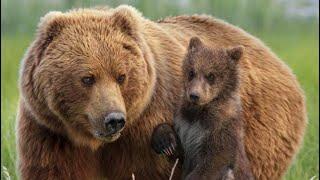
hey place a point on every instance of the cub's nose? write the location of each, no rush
(194, 97)
(114, 122)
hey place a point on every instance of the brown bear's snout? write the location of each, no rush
(114, 122)
(112, 125)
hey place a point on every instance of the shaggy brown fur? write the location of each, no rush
(59, 114)
(209, 124)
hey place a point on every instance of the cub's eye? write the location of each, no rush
(88, 81)
(191, 75)
(210, 78)
(121, 79)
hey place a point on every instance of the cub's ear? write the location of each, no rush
(194, 44)
(127, 19)
(235, 53)
(49, 27)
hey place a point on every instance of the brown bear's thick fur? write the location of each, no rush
(58, 115)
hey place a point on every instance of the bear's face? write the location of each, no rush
(93, 73)
(209, 72)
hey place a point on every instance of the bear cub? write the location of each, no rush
(208, 128)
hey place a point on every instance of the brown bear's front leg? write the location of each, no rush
(46, 155)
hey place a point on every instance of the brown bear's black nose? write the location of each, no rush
(194, 97)
(114, 122)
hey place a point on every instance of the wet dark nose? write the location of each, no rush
(194, 97)
(114, 122)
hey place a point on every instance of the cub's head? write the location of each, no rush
(210, 72)
(88, 72)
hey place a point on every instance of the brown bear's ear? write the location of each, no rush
(49, 27)
(235, 53)
(194, 44)
(127, 19)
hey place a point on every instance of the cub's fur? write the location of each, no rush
(209, 123)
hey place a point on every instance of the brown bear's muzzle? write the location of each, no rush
(107, 112)
(113, 124)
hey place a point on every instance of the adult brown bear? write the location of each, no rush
(95, 83)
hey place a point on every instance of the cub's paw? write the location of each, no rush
(163, 139)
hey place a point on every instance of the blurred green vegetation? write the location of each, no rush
(293, 38)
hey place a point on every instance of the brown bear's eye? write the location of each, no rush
(127, 47)
(121, 78)
(88, 81)
(191, 75)
(210, 78)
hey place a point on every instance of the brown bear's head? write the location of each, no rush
(89, 73)
(210, 73)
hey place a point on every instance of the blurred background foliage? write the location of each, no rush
(21, 16)
(288, 27)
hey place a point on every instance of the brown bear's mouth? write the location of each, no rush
(113, 137)
(109, 138)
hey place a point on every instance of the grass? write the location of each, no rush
(12, 50)
(298, 49)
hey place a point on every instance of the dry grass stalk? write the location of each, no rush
(173, 168)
